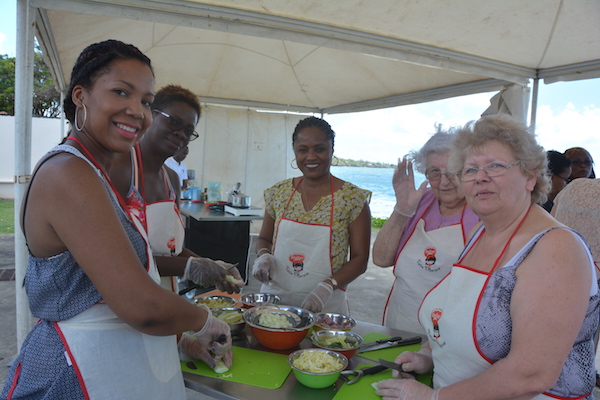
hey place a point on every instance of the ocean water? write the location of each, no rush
(378, 181)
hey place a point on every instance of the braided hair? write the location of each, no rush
(317, 123)
(95, 60)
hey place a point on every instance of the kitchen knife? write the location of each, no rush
(397, 367)
(388, 343)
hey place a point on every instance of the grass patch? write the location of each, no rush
(7, 216)
(377, 223)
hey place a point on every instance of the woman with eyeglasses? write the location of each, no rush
(147, 186)
(425, 232)
(516, 316)
(559, 168)
(152, 191)
(582, 163)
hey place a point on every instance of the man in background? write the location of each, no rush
(177, 165)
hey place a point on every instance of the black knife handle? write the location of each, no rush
(373, 370)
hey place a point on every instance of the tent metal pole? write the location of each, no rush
(23, 121)
(534, 101)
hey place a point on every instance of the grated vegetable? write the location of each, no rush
(317, 361)
(272, 320)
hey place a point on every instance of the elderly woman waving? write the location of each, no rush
(425, 233)
(516, 316)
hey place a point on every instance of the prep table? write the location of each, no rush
(291, 388)
(220, 236)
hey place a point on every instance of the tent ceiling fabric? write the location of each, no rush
(336, 55)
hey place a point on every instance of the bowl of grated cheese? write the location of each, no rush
(317, 368)
(279, 327)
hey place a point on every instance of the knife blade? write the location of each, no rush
(388, 343)
(397, 367)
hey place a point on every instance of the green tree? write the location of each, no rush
(46, 99)
(7, 84)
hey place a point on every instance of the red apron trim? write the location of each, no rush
(73, 362)
(15, 380)
(124, 206)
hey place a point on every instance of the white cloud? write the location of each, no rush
(385, 135)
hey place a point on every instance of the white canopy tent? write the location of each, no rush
(333, 56)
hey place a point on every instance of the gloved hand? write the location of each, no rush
(316, 299)
(215, 337)
(191, 349)
(420, 362)
(263, 267)
(404, 389)
(233, 281)
(204, 271)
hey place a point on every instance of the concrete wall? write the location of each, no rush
(46, 133)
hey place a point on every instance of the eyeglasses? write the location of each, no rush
(175, 124)
(580, 163)
(491, 170)
(436, 174)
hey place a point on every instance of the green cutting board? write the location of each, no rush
(362, 390)
(251, 367)
(385, 354)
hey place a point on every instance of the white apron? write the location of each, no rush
(111, 359)
(447, 314)
(425, 259)
(303, 257)
(166, 233)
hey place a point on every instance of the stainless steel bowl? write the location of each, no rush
(216, 301)
(335, 321)
(300, 318)
(235, 327)
(259, 299)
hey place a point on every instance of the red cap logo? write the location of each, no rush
(429, 252)
(297, 258)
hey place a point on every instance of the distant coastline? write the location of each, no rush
(345, 162)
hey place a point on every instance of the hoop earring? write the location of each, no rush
(84, 117)
(291, 166)
(337, 162)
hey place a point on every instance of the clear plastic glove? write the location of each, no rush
(263, 267)
(215, 337)
(191, 349)
(420, 362)
(233, 281)
(204, 271)
(407, 196)
(315, 300)
(404, 389)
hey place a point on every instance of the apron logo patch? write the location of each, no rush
(436, 315)
(297, 267)
(172, 245)
(429, 262)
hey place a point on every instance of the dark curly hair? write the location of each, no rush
(175, 93)
(317, 123)
(95, 60)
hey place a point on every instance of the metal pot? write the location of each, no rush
(240, 201)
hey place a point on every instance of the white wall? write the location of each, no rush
(46, 133)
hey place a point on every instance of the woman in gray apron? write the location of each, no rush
(425, 233)
(516, 316)
(310, 224)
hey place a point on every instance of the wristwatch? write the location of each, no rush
(334, 283)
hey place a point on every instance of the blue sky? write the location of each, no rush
(568, 115)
